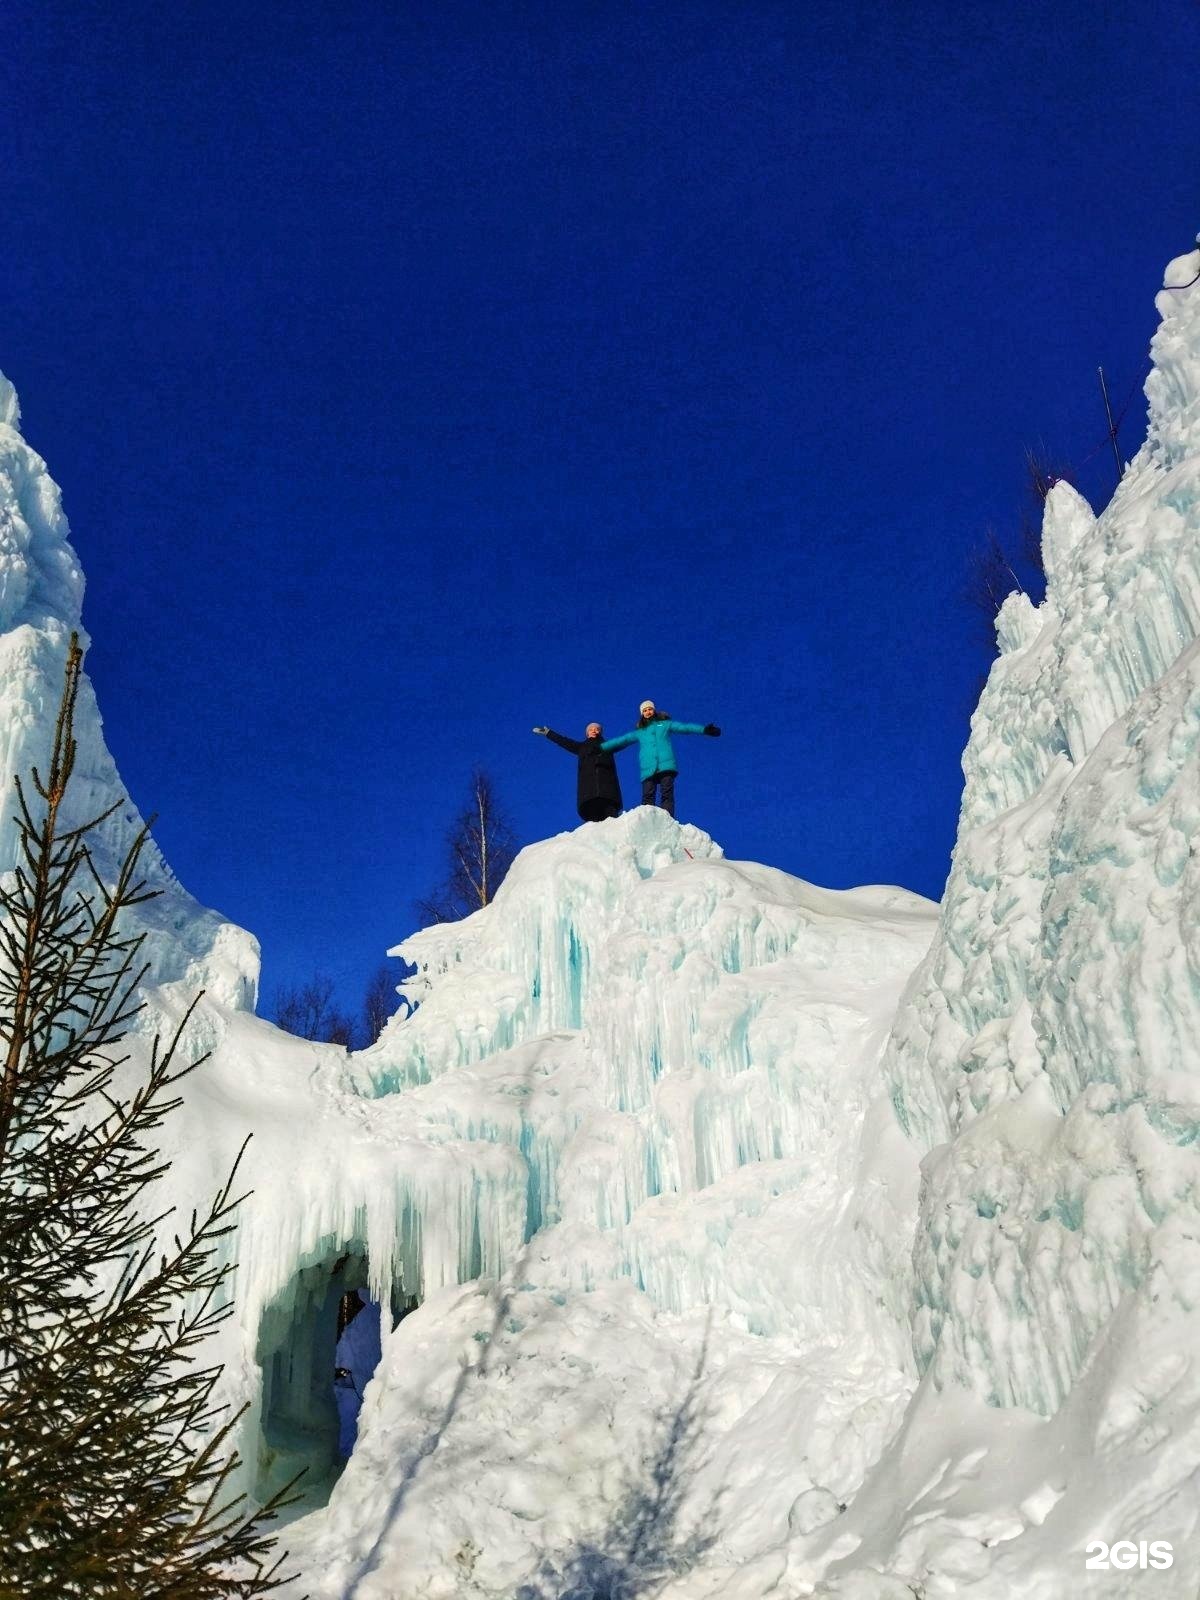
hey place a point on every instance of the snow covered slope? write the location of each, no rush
(617, 1157)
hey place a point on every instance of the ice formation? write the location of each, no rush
(1045, 1057)
(735, 1237)
(41, 596)
(611, 1106)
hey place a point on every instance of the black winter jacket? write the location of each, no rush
(597, 770)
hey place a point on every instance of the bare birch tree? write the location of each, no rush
(480, 848)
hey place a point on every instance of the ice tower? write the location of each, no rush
(41, 596)
(1046, 1059)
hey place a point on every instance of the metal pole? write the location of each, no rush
(1112, 432)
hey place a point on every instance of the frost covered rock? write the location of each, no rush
(812, 1510)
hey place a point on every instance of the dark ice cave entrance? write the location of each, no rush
(318, 1347)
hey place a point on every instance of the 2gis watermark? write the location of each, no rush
(1124, 1555)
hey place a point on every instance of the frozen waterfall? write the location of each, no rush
(724, 1232)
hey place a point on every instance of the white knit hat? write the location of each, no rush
(646, 706)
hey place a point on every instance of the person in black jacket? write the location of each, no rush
(598, 793)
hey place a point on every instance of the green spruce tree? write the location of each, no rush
(115, 1463)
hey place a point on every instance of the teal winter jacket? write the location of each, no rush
(655, 753)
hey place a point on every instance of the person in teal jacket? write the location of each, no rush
(656, 755)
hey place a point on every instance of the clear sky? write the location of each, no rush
(416, 373)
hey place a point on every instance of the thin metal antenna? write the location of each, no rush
(1112, 432)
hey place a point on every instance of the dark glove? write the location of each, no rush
(541, 730)
(712, 730)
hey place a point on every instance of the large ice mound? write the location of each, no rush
(635, 1116)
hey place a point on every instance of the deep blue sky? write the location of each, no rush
(418, 373)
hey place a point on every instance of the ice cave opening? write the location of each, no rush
(318, 1346)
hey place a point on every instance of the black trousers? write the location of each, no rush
(597, 810)
(665, 782)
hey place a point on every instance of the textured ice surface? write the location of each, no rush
(750, 1260)
(1046, 1058)
(684, 1051)
(667, 1228)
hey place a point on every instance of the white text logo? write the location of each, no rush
(1124, 1555)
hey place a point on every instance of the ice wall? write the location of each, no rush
(41, 596)
(642, 1017)
(647, 1150)
(677, 1057)
(1045, 1058)
(643, 1070)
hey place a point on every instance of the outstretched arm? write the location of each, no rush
(561, 740)
(619, 742)
(685, 727)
